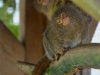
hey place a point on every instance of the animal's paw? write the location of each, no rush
(62, 52)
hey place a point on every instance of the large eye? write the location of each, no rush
(43, 2)
(59, 21)
(39, 1)
(63, 15)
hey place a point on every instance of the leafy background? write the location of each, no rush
(7, 16)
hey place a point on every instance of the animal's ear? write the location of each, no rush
(45, 2)
(88, 18)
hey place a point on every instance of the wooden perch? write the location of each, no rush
(11, 51)
(82, 56)
(92, 7)
(26, 67)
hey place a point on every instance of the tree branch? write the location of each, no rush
(82, 56)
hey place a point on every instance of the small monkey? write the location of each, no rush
(68, 28)
(48, 7)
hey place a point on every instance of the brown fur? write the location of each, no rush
(57, 36)
(52, 6)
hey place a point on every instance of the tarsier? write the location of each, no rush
(68, 28)
(48, 7)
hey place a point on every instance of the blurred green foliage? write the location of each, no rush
(13, 29)
(6, 15)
